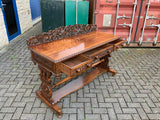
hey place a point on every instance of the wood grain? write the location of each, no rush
(71, 50)
(60, 33)
(63, 49)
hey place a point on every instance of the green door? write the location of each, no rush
(70, 12)
(81, 12)
(52, 13)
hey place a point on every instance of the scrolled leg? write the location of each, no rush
(46, 90)
(45, 93)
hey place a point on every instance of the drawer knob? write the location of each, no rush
(109, 51)
(89, 64)
(78, 70)
(97, 57)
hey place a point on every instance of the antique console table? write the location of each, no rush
(72, 50)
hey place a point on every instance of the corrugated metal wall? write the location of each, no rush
(137, 21)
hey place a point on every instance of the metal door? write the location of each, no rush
(76, 12)
(136, 21)
(149, 24)
(52, 13)
(10, 16)
(70, 12)
(82, 12)
(117, 17)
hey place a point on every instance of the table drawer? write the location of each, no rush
(75, 65)
(117, 44)
(99, 52)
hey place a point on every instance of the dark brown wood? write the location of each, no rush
(99, 51)
(63, 49)
(46, 90)
(70, 77)
(61, 33)
(81, 49)
(117, 44)
(91, 11)
(73, 66)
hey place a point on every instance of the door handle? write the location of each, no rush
(96, 12)
(154, 25)
(109, 1)
(3, 5)
(123, 17)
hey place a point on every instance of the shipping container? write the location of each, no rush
(136, 21)
(149, 23)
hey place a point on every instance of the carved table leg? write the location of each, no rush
(105, 64)
(46, 90)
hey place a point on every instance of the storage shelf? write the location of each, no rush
(76, 84)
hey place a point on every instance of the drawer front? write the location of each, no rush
(43, 62)
(75, 65)
(81, 68)
(99, 52)
(102, 53)
(117, 44)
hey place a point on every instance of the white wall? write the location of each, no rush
(3, 33)
(25, 20)
(24, 13)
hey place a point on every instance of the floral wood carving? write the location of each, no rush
(60, 33)
(46, 84)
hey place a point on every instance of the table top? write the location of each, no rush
(63, 49)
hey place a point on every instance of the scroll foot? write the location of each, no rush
(59, 116)
(54, 106)
(112, 71)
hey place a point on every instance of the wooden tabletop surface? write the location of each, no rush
(63, 49)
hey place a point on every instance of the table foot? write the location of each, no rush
(112, 71)
(54, 106)
(59, 116)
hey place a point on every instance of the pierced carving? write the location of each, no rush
(60, 33)
(46, 89)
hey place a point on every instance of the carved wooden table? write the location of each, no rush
(71, 50)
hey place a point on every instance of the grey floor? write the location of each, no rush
(133, 94)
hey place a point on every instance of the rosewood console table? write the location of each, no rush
(71, 50)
